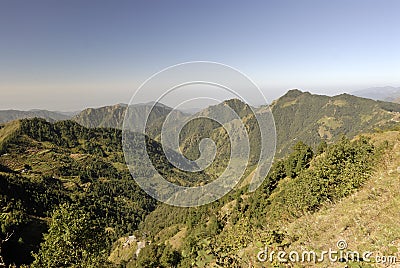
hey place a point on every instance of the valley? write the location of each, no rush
(68, 198)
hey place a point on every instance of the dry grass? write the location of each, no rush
(8, 129)
(367, 220)
(177, 240)
(120, 253)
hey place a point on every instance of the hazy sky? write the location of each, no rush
(66, 55)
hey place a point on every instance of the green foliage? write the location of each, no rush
(161, 255)
(76, 238)
(19, 199)
(80, 173)
(36, 197)
(321, 148)
(150, 256)
(12, 216)
(68, 134)
(8, 133)
(60, 170)
(338, 173)
(258, 218)
(298, 160)
(302, 116)
(214, 225)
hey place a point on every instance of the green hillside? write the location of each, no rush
(310, 118)
(298, 116)
(108, 116)
(58, 167)
(67, 198)
(113, 116)
(289, 211)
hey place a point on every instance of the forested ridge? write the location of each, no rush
(68, 169)
(226, 233)
(68, 199)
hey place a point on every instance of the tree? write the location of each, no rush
(322, 146)
(75, 239)
(12, 216)
(150, 256)
(214, 226)
(2, 241)
(170, 257)
(299, 159)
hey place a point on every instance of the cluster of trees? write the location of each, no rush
(340, 171)
(101, 194)
(72, 200)
(76, 238)
(70, 134)
(301, 183)
(74, 226)
(118, 205)
(12, 218)
(158, 255)
(300, 115)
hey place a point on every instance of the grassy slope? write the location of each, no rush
(368, 220)
(6, 132)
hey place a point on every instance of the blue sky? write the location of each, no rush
(66, 55)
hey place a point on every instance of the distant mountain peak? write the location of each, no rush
(233, 100)
(386, 93)
(121, 105)
(11, 115)
(155, 103)
(294, 93)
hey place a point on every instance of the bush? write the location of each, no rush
(340, 171)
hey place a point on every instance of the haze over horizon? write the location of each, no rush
(69, 55)
(189, 109)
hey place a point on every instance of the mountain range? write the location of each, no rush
(298, 116)
(66, 191)
(113, 116)
(391, 94)
(51, 116)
